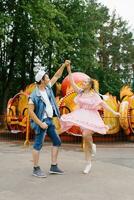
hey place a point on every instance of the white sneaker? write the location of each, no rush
(93, 149)
(87, 168)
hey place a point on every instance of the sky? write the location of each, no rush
(124, 8)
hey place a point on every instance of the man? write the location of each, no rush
(42, 108)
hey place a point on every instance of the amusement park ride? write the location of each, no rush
(18, 118)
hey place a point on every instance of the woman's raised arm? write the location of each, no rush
(73, 84)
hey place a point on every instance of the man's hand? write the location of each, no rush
(43, 125)
(67, 62)
(58, 74)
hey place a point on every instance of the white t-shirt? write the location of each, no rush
(49, 109)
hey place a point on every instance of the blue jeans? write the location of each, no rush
(50, 131)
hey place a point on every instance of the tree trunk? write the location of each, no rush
(31, 72)
(6, 84)
(50, 50)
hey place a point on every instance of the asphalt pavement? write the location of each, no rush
(111, 177)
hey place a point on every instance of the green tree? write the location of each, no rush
(115, 54)
(46, 32)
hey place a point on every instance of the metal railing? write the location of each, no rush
(20, 132)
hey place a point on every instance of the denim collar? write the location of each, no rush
(37, 91)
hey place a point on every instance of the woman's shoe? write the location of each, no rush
(87, 168)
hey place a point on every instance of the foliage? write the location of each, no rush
(46, 32)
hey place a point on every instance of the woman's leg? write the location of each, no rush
(91, 145)
(87, 139)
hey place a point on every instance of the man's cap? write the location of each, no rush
(39, 75)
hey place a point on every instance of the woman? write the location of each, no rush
(86, 116)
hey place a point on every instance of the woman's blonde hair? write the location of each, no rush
(94, 84)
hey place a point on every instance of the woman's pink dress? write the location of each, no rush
(86, 116)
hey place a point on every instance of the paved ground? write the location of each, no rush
(111, 178)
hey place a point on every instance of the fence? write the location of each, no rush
(20, 132)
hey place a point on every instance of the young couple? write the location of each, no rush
(42, 108)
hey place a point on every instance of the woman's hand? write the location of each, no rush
(117, 114)
(68, 68)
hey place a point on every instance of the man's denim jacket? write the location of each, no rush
(40, 106)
